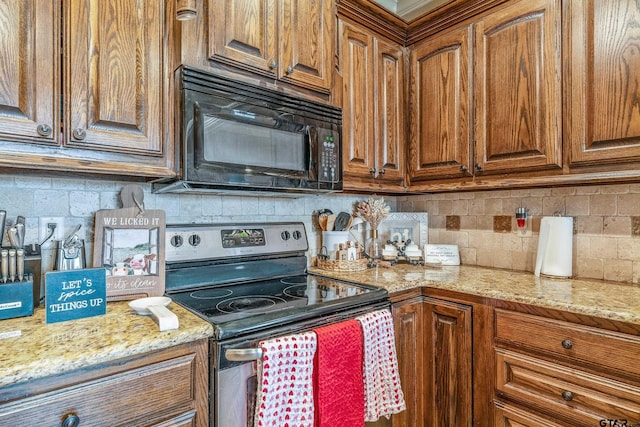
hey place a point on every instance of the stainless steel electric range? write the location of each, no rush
(250, 282)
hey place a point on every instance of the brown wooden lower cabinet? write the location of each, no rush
(164, 388)
(434, 345)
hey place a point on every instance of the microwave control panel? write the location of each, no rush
(328, 147)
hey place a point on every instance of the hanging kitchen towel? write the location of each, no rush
(382, 391)
(338, 386)
(285, 375)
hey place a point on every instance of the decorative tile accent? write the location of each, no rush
(502, 224)
(453, 223)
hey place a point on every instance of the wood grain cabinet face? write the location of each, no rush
(102, 100)
(517, 91)
(602, 115)
(434, 344)
(372, 110)
(29, 57)
(289, 40)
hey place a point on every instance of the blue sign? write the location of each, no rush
(75, 294)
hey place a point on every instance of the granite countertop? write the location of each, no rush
(609, 300)
(30, 348)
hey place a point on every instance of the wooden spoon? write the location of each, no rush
(322, 220)
(331, 220)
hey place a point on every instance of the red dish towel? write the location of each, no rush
(285, 375)
(338, 386)
(382, 392)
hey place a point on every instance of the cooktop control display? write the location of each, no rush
(242, 237)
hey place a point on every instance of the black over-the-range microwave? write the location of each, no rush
(241, 137)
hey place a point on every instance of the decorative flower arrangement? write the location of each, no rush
(374, 211)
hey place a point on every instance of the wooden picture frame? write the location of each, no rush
(129, 244)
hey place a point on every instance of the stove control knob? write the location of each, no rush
(194, 240)
(176, 241)
(297, 235)
(285, 235)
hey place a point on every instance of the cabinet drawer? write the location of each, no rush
(598, 347)
(142, 396)
(510, 416)
(580, 397)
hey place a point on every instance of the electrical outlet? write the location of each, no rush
(44, 230)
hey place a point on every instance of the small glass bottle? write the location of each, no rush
(374, 245)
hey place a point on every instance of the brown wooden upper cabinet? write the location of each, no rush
(102, 100)
(603, 64)
(504, 71)
(372, 108)
(289, 40)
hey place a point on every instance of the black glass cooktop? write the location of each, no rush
(242, 308)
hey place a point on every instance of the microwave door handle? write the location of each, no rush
(243, 354)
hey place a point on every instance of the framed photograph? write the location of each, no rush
(403, 226)
(129, 244)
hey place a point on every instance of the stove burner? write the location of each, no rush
(213, 293)
(247, 302)
(296, 291)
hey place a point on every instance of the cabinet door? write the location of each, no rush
(448, 363)
(389, 116)
(245, 33)
(357, 52)
(440, 131)
(511, 416)
(602, 115)
(306, 42)
(29, 72)
(113, 78)
(408, 318)
(517, 89)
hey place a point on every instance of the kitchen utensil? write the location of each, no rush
(3, 219)
(70, 237)
(156, 307)
(331, 220)
(69, 257)
(12, 265)
(555, 247)
(4, 265)
(20, 264)
(342, 221)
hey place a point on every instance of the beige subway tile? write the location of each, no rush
(512, 242)
(468, 222)
(636, 272)
(589, 268)
(460, 207)
(468, 256)
(484, 239)
(437, 221)
(520, 193)
(581, 245)
(618, 270)
(484, 258)
(540, 192)
(577, 205)
(634, 188)
(589, 224)
(460, 238)
(617, 225)
(629, 204)
(530, 244)
(482, 194)
(553, 205)
(603, 247)
(484, 222)
(593, 189)
(563, 191)
(628, 248)
(615, 189)
(445, 207)
(509, 206)
(477, 207)
(434, 235)
(503, 259)
(603, 204)
(493, 207)
(438, 196)
(521, 261)
(533, 205)
(499, 194)
(432, 207)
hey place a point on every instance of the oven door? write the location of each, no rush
(234, 382)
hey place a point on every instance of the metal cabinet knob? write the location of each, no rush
(273, 64)
(71, 420)
(44, 130)
(478, 166)
(289, 69)
(567, 396)
(79, 134)
(567, 344)
(372, 170)
(463, 168)
(382, 171)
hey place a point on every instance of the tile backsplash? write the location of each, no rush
(606, 241)
(76, 200)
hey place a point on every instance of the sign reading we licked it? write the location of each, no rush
(75, 294)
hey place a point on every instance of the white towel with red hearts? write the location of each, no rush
(382, 391)
(285, 375)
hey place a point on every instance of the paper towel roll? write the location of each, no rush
(555, 247)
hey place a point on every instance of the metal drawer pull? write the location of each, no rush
(243, 354)
(71, 420)
(567, 396)
(567, 344)
(44, 130)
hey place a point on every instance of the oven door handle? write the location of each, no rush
(243, 354)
